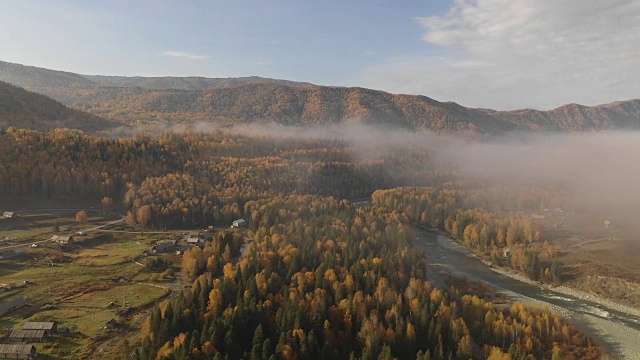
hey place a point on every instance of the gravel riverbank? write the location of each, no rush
(620, 339)
(565, 290)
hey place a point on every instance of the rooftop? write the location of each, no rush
(15, 349)
(39, 325)
(27, 334)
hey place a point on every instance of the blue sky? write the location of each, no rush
(489, 53)
(323, 42)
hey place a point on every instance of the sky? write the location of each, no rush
(501, 54)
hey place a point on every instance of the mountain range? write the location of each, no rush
(253, 99)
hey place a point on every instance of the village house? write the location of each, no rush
(62, 239)
(27, 336)
(238, 223)
(49, 327)
(111, 324)
(180, 250)
(164, 247)
(8, 214)
(17, 351)
(194, 241)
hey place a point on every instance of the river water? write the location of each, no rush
(444, 254)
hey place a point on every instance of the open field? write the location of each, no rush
(81, 286)
(105, 254)
(599, 260)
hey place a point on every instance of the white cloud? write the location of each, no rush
(524, 53)
(184, 54)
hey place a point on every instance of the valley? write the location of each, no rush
(120, 230)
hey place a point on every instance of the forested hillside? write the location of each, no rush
(24, 109)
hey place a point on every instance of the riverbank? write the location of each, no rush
(565, 290)
(454, 245)
(618, 340)
(601, 320)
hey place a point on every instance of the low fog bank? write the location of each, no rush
(600, 169)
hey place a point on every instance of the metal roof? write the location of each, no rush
(38, 325)
(166, 245)
(15, 349)
(27, 334)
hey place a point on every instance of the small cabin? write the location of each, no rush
(166, 246)
(49, 327)
(62, 239)
(27, 336)
(180, 250)
(111, 324)
(238, 223)
(17, 351)
(194, 241)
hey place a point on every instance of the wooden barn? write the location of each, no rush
(17, 351)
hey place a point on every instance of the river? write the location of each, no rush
(617, 331)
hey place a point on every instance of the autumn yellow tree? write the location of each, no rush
(82, 217)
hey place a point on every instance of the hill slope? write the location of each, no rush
(228, 101)
(24, 109)
(283, 104)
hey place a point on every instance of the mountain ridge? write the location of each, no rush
(185, 82)
(239, 100)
